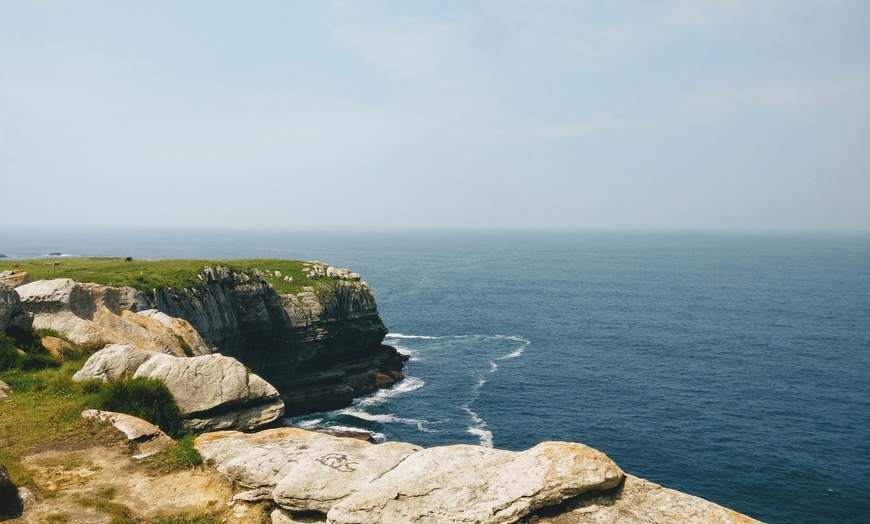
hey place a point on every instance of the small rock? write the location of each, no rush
(15, 277)
(56, 346)
(5, 390)
(28, 499)
(149, 438)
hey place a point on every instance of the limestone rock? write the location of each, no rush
(56, 346)
(12, 314)
(95, 315)
(149, 439)
(640, 501)
(307, 471)
(320, 349)
(14, 277)
(476, 484)
(113, 362)
(213, 386)
(5, 390)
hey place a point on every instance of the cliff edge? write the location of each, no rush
(311, 330)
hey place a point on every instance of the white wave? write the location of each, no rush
(399, 335)
(492, 366)
(386, 419)
(518, 351)
(308, 424)
(407, 385)
(484, 435)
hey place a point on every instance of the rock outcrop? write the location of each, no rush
(113, 362)
(351, 481)
(639, 501)
(95, 315)
(12, 314)
(14, 277)
(147, 438)
(302, 470)
(476, 484)
(213, 391)
(320, 347)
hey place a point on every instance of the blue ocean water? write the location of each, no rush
(735, 367)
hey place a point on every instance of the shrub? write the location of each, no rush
(9, 356)
(146, 398)
(35, 356)
(182, 455)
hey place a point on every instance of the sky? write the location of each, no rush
(546, 114)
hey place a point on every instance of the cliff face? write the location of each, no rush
(320, 347)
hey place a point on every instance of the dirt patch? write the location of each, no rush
(100, 483)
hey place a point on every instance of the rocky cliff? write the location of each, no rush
(309, 329)
(320, 347)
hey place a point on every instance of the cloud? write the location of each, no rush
(847, 94)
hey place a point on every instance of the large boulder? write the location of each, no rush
(640, 501)
(301, 470)
(475, 484)
(113, 362)
(95, 315)
(12, 314)
(216, 392)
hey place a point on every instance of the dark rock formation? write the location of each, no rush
(12, 314)
(320, 347)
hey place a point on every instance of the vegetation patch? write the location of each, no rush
(287, 276)
(146, 398)
(182, 455)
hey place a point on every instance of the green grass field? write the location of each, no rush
(148, 275)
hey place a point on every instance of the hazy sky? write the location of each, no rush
(685, 114)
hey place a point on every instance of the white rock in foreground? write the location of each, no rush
(302, 470)
(640, 501)
(476, 484)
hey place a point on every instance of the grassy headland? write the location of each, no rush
(148, 275)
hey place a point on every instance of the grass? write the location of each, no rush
(148, 275)
(146, 398)
(180, 456)
(44, 411)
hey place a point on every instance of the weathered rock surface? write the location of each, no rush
(476, 484)
(56, 346)
(640, 501)
(314, 477)
(301, 470)
(147, 437)
(90, 314)
(12, 314)
(113, 362)
(5, 390)
(14, 277)
(216, 392)
(320, 349)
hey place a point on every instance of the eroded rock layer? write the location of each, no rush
(319, 348)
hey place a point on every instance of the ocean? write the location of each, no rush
(731, 366)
